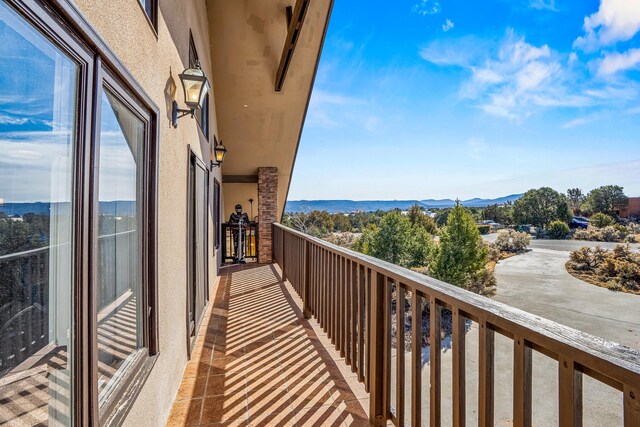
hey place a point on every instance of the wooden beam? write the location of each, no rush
(239, 179)
(293, 34)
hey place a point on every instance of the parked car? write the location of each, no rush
(579, 222)
(527, 228)
(494, 225)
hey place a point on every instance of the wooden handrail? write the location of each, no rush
(350, 295)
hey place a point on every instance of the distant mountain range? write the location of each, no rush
(114, 208)
(337, 206)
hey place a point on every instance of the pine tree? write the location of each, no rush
(460, 253)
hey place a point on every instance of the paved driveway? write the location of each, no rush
(539, 283)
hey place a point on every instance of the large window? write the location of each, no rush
(151, 9)
(77, 227)
(120, 260)
(38, 108)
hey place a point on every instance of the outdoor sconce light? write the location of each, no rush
(195, 85)
(218, 153)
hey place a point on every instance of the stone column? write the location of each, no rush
(267, 211)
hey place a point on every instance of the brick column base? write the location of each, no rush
(267, 212)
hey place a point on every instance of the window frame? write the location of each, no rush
(150, 10)
(107, 81)
(55, 29)
(192, 326)
(216, 213)
(61, 22)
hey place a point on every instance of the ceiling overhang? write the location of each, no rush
(255, 45)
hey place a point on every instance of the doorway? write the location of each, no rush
(198, 244)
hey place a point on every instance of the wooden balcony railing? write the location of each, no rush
(350, 294)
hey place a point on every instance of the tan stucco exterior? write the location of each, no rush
(240, 193)
(246, 39)
(155, 63)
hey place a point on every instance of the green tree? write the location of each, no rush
(442, 216)
(601, 220)
(421, 248)
(397, 241)
(608, 199)
(461, 252)
(341, 223)
(365, 243)
(502, 214)
(391, 242)
(576, 198)
(540, 207)
(419, 219)
(558, 230)
(18, 236)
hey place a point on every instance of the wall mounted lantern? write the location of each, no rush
(219, 151)
(195, 85)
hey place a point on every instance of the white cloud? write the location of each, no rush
(323, 97)
(543, 5)
(460, 52)
(576, 122)
(573, 58)
(448, 24)
(427, 7)
(614, 62)
(514, 79)
(615, 20)
(6, 119)
(520, 77)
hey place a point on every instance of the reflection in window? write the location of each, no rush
(120, 297)
(38, 85)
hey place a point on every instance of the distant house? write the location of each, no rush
(632, 210)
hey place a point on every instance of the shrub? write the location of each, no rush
(558, 230)
(484, 229)
(581, 234)
(482, 282)
(601, 220)
(493, 252)
(512, 241)
(617, 269)
(611, 233)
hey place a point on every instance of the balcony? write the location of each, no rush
(257, 361)
(312, 340)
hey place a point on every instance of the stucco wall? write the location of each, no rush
(156, 63)
(240, 193)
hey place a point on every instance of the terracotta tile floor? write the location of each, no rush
(257, 362)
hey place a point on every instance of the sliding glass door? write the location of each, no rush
(78, 321)
(39, 86)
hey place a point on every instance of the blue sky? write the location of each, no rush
(420, 99)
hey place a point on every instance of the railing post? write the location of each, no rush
(283, 254)
(486, 375)
(377, 407)
(522, 376)
(631, 402)
(570, 393)
(306, 283)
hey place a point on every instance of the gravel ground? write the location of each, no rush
(446, 325)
